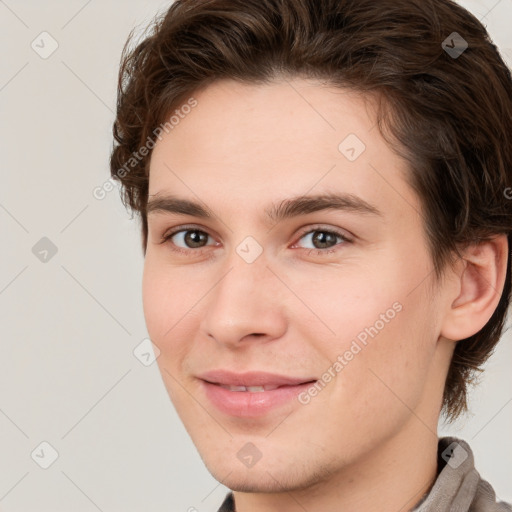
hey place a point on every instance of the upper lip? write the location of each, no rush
(254, 378)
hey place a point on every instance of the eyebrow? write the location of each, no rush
(286, 209)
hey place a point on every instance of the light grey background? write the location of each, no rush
(68, 375)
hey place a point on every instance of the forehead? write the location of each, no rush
(255, 144)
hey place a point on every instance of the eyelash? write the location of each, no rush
(198, 252)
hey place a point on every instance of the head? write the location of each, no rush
(284, 120)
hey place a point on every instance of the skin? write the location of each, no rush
(368, 440)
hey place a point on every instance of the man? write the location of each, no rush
(322, 186)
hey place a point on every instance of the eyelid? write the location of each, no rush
(349, 237)
(177, 229)
(342, 233)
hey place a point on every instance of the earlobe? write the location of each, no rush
(480, 286)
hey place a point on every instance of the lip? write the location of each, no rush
(254, 378)
(249, 404)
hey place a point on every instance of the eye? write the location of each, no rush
(190, 240)
(186, 239)
(324, 240)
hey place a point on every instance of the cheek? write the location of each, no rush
(168, 297)
(346, 304)
(172, 311)
(395, 365)
(385, 331)
(154, 299)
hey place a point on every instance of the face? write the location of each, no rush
(328, 298)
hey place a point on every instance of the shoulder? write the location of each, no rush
(485, 499)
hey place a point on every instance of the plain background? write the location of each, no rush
(69, 325)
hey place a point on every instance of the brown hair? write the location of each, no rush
(449, 115)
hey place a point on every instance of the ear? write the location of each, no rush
(478, 288)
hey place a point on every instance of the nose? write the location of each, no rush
(245, 305)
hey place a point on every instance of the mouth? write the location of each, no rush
(256, 389)
(252, 394)
(253, 380)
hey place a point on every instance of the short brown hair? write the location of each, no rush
(448, 114)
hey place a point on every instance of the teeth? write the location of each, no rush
(255, 389)
(251, 389)
(234, 388)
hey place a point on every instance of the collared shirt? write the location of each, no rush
(458, 486)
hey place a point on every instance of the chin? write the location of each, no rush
(267, 478)
(257, 482)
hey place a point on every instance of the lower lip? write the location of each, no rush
(249, 404)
